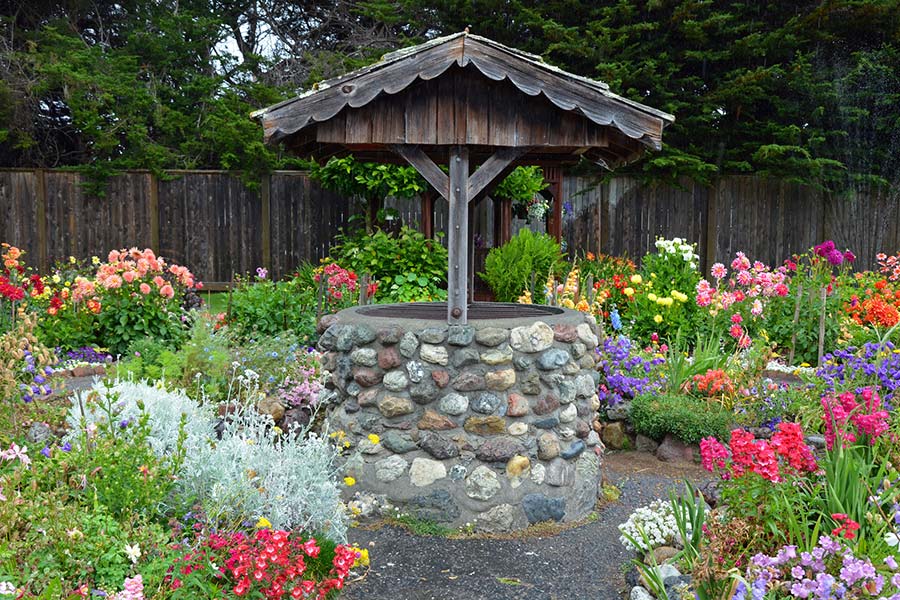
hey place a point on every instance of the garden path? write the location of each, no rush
(581, 563)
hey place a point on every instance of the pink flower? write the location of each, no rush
(159, 281)
(112, 282)
(757, 308)
(737, 319)
(166, 291)
(129, 276)
(145, 289)
(718, 271)
(736, 331)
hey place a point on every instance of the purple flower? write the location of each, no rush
(39, 379)
(262, 272)
(849, 256)
(67, 447)
(124, 423)
(891, 562)
(835, 258)
(46, 451)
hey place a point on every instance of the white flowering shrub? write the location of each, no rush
(653, 524)
(255, 470)
(679, 247)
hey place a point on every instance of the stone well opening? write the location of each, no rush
(486, 423)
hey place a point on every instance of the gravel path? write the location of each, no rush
(580, 563)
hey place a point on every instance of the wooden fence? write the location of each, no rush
(217, 226)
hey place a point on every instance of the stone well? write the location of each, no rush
(486, 423)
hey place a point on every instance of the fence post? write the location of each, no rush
(265, 191)
(40, 192)
(712, 225)
(153, 209)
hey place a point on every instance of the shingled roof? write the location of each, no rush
(607, 127)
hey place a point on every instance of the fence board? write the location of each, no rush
(212, 222)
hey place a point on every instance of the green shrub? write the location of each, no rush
(407, 265)
(509, 269)
(265, 307)
(683, 416)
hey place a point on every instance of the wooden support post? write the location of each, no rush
(457, 239)
(553, 175)
(470, 282)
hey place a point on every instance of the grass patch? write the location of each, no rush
(421, 526)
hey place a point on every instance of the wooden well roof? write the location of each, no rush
(465, 90)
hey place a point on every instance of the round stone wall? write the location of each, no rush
(487, 423)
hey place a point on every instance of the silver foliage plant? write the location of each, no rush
(253, 471)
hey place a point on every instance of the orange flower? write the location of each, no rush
(94, 305)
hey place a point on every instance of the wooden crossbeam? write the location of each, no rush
(492, 168)
(426, 167)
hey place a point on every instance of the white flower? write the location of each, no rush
(133, 552)
(7, 588)
(891, 539)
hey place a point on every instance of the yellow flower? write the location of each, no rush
(651, 297)
(263, 523)
(374, 438)
(658, 319)
(567, 303)
(72, 260)
(349, 481)
(666, 301)
(680, 296)
(363, 558)
(636, 279)
(653, 275)
(804, 364)
(95, 260)
(628, 292)
(56, 278)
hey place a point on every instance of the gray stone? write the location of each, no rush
(367, 447)
(425, 471)
(351, 336)
(458, 472)
(436, 355)
(530, 384)
(643, 443)
(673, 449)
(395, 406)
(816, 441)
(554, 358)
(584, 386)
(678, 587)
(586, 335)
(497, 356)
(538, 473)
(578, 349)
(568, 414)
(355, 465)
(461, 335)
(482, 483)
(546, 405)
(367, 397)
(533, 338)
(328, 339)
(574, 449)
(566, 433)
(485, 403)
(390, 335)
(518, 428)
(350, 407)
(539, 508)
(582, 429)
(522, 362)
(364, 356)
(588, 361)
(491, 336)
(465, 357)
(399, 443)
(468, 381)
(587, 484)
(593, 438)
(433, 335)
(546, 423)
(438, 446)
(353, 389)
(639, 592)
(500, 380)
(395, 381)
(619, 412)
(390, 468)
(548, 446)
(499, 449)
(454, 404)
(498, 519)
(560, 473)
(566, 391)
(408, 344)
(424, 392)
(39, 433)
(438, 506)
(370, 422)
(415, 370)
